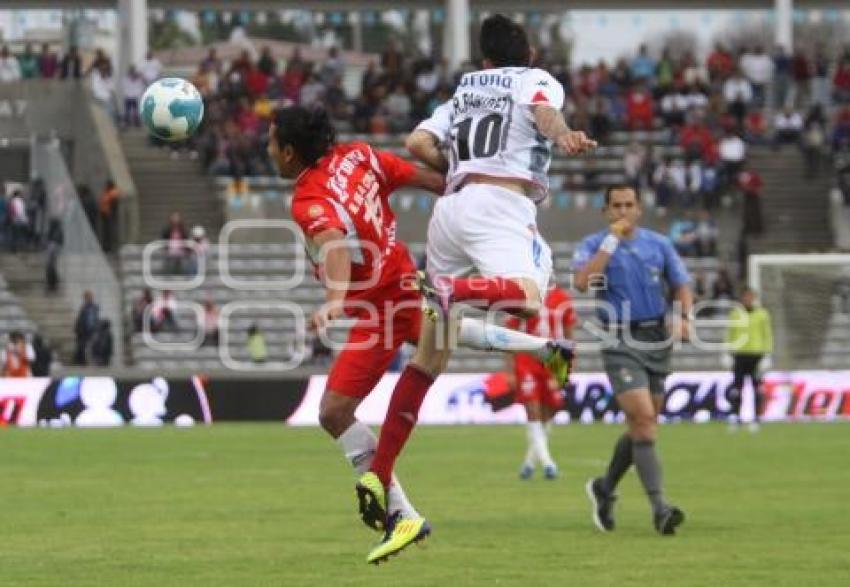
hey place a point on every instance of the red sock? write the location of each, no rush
(489, 290)
(407, 398)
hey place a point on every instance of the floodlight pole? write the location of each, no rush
(457, 42)
(132, 39)
(784, 32)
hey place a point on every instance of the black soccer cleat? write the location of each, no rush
(668, 519)
(603, 504)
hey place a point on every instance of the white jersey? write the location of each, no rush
(488, 126)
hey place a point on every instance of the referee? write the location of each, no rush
(636, 264)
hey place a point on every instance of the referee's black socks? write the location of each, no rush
(621, 460)
(649, 471)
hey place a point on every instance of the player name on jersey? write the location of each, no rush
(467, 101)
(485, 79)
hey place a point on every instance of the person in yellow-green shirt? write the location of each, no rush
(750, 338)
(257, 345)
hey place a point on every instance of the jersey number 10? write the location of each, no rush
(485, 139)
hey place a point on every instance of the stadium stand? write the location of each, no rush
(258, 265)
(674, 159)
(12, 315)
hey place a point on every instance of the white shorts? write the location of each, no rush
(490, 231)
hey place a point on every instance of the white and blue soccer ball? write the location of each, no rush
(172, 109)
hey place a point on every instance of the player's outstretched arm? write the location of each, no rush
(428, 179)
(551, 124)
(425, 147)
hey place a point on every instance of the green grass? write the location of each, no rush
(259, 505)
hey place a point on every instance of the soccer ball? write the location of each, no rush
(172, 109)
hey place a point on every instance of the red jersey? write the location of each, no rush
(348, 190)
(555, 318)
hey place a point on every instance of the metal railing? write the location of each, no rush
(83, 266)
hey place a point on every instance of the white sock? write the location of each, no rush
(359, 444)
(531, 453)
(482, 336)
(541, 444)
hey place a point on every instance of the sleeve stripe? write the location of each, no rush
(376, 165)
(351, 235)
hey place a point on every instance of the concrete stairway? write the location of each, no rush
(166, 184)
(796, 209)
(24, 272)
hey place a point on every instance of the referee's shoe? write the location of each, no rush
(603, 504)
(668, 519)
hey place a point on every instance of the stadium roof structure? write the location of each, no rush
(133, 45)
(348, 5)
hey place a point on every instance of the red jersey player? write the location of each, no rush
(341, 203)
(535, 386)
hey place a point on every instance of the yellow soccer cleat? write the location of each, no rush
(560, 360)
(372, 501)
(437, 296)
(401, 533)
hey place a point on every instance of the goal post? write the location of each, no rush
(809, 299)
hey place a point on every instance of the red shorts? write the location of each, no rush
(371, 348)
(535, 383)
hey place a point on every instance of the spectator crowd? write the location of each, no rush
(699, 100)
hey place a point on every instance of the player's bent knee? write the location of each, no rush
(336, 416)
(533, 302)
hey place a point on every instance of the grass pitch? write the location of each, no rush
(259, 505)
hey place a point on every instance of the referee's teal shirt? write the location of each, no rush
(635, 275)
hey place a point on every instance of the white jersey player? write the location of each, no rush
(498, 132)
(483, 245)
(497, 171)
(488, 127)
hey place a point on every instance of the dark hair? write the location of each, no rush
(620, 186)
(504, 42)
(308, 131)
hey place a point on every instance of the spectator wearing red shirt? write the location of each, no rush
(48, 62)
(241, 66)
(801, 71)
(720, 64)
(751, 185)
(256, 81)
(841, 80)
(292, 79)
(639, 109)
(587, 82)
(755, 128)
(247, 119)
(697, 141)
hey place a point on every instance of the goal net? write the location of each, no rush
(809, 299)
